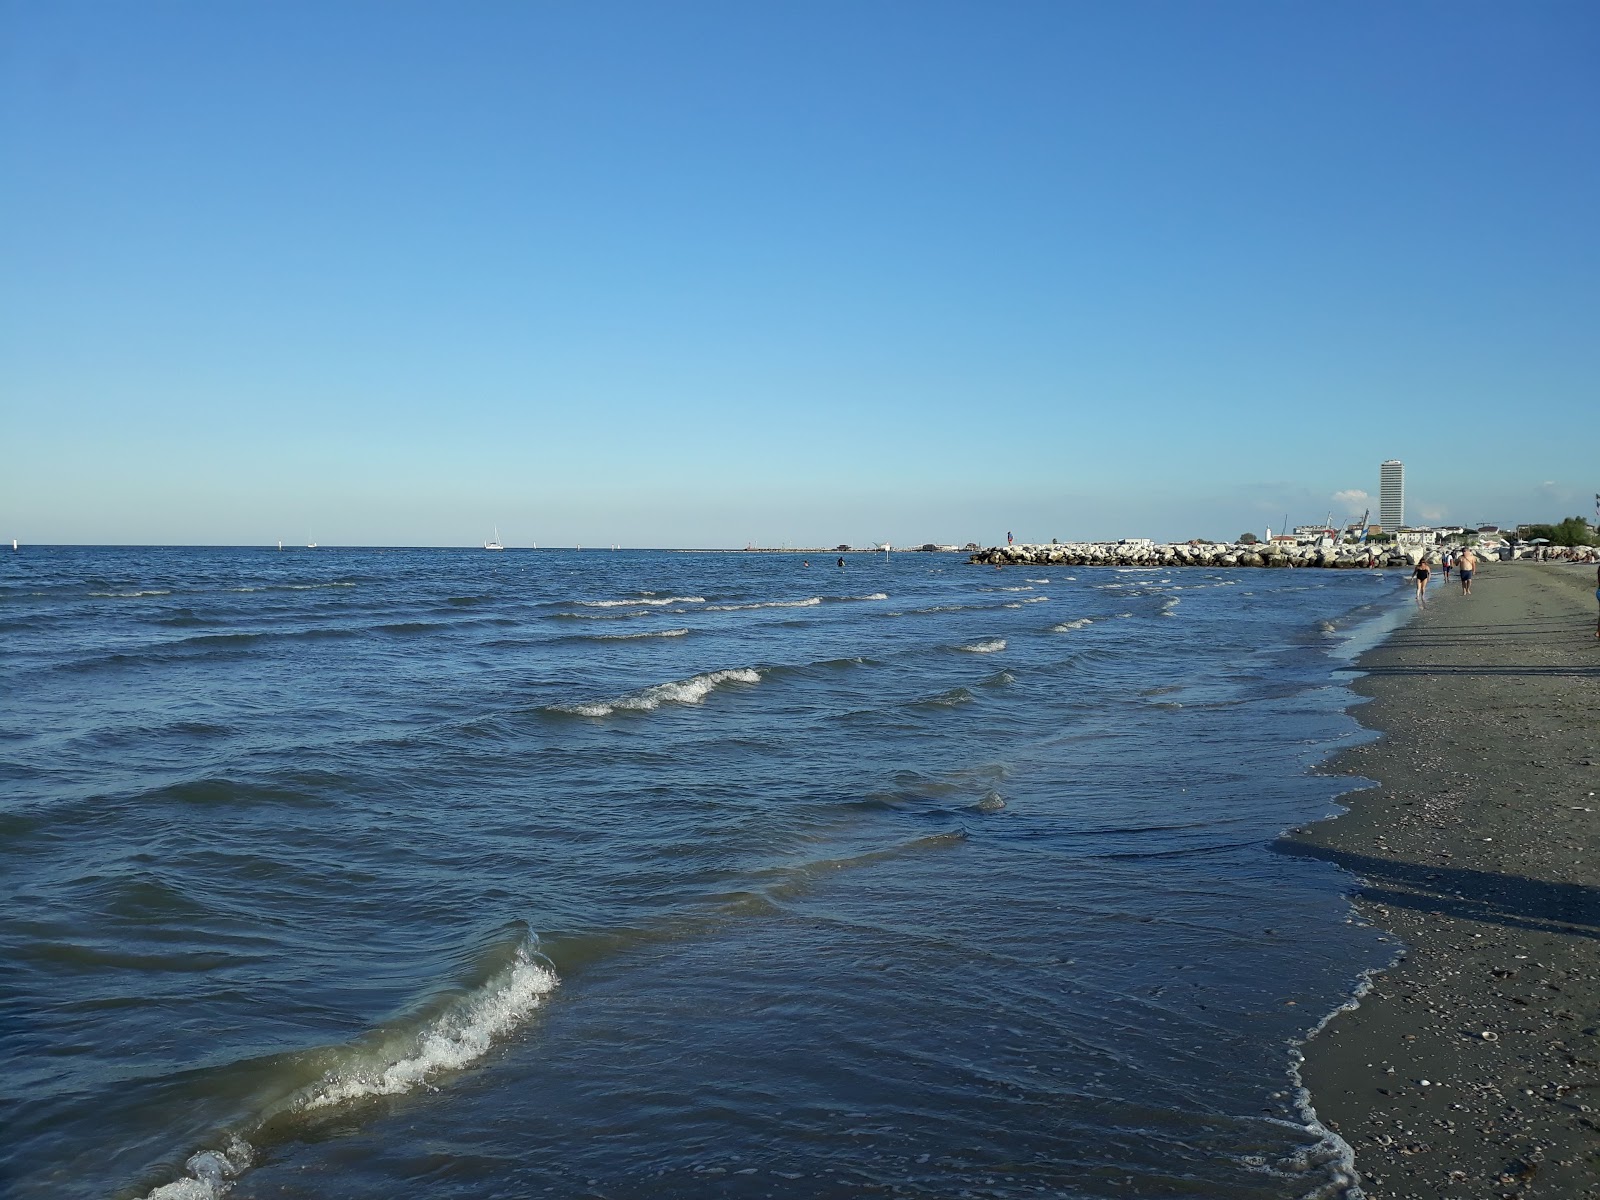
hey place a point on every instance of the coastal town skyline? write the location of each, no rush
(706, 276)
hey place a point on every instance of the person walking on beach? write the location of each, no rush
(1421, 576)
(1445, 563)
(1597, 601)
(1468, 563)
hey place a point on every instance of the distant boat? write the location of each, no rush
(13, 545)
(280, 543)
(494, 545)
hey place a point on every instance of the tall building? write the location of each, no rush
(1392, 495)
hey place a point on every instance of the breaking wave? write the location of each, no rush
(681, 691)
(985, 647)
(633, 637)
(1070, 626)
(654, 601)
(806, 603)
(390, 1062)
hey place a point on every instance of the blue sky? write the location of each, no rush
(706, 273)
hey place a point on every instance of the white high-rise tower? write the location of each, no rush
(1392, 495)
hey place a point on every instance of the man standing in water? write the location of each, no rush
(1465, 566)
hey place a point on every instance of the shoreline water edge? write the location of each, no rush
(1469, 1067)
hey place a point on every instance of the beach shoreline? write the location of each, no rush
(1472, 1066)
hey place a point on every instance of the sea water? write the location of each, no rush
(447, 873)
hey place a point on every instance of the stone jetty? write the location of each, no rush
(1140, 553)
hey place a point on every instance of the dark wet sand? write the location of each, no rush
(1478, 849)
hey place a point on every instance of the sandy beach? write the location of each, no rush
(1472, 1068)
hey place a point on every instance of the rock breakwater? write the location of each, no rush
(1203, 554)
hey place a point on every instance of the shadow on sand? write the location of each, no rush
(1514, 900)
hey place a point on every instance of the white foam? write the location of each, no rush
(459, 1035)
(630, 637)
(1167, 605)
(806, 603)
(211, 1173)
(1069, 626)
(1014, 589)
(657, 601)
(129, 595)
(681, 691)
(988, 647)
(874, 596)
(1029, 600)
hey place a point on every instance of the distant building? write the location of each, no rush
(1417, 539)
(1391, 495)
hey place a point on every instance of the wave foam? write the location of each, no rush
(987, 647)
(389, 1066)
(458, 1036)
(129, 595)
(631, 637)
(1069, 626)
(681, 691)
(806, 603)
(211, 1173)
(652, 600)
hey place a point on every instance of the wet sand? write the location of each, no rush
(1472, 1068)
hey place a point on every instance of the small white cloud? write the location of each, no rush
(1432, 514)
(1353, 499)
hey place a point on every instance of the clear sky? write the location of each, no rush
(705, 273)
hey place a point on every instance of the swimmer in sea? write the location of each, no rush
(841, 560)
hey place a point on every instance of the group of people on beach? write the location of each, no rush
(1464, 564)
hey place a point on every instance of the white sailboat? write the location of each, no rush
(494, 545)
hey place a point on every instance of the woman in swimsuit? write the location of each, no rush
(1421, 576)
(1597, 600)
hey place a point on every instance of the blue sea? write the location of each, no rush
(622, 874)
